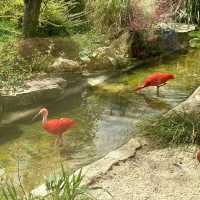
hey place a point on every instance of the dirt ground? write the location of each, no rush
(153, 174)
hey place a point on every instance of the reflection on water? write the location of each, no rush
(105, 121)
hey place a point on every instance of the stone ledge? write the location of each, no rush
(38, 90)
(95, 170)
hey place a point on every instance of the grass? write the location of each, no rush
(190, 12)
(193, 11)
(63, 187)
(175, 129)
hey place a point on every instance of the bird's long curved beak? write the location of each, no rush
(35, 116)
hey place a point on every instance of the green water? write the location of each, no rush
(105, 120)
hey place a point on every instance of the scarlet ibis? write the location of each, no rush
(198, 155)
(56, 127)
(156, 79)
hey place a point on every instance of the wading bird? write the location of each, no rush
(56, 127)
(156, 79)
(198, 155)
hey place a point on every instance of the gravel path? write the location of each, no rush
(153, 174)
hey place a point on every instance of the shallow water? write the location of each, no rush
(106, 119)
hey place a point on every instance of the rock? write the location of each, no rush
(195, 43)
(111, 88)
(164, 38)
(97, 80)
(122, 45)
(58, 45)
(63, 64)
(97, 169)
(194, 34)
(111, 57)
(189, 106)
(177, 27)
(35, 91)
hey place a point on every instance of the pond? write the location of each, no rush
(106, 119)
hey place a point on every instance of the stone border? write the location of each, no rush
(99, 168)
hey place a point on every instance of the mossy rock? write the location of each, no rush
(111, 88)
(194, 34)
(195, 43)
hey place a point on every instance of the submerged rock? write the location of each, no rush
(195, 43)
(111, 88)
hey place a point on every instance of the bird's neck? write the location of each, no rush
(44, 119)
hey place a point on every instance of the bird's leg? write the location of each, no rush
(56, 141)
(60, 137)
(157, 90)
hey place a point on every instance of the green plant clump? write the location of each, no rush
(175, 129)
(63, 187)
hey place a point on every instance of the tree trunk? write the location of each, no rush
(31, 17)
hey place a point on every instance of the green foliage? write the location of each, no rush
(58, 17)
(64, 187)
(14, 69)
(108, 15)
(67, 187)
(8, 30)
(175, 129)
(11, 9)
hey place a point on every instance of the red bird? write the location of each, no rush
(55, 126)
(156, 79)
(198, 155)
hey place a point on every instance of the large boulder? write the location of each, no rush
(57, 46)
(111, 57)
(163, 38)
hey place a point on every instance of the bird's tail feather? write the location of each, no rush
(139, 88)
